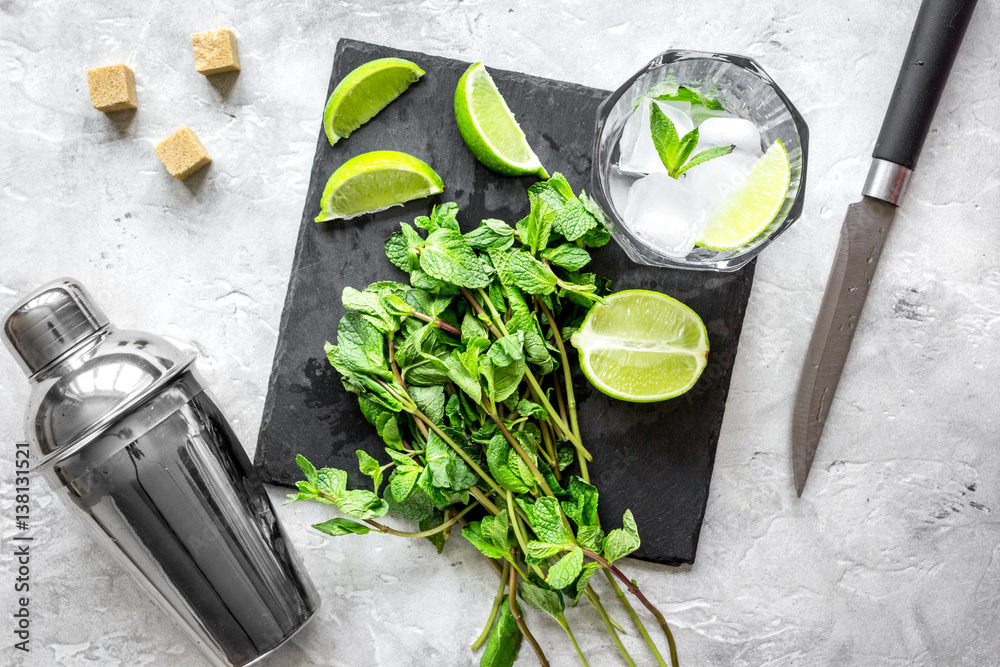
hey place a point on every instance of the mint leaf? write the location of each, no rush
(443, 216)
(472, 532)
(491, 234)
(308, 469)
(433, 521)
(590, 537)
(331, 481)
(472, 329)
(401, 483)
(430, 400)
(566, 569)
(447, 256)
(372, 305)
(416, 507)
(505, 640)
(543, 599)
(498, 460)
(582, 507)
(546, 521)
(537, 227)
(622, 541)
(528, 274)
(403, 248)
(536, 552)
(421, 280)
(360, 345)
(370, 467)
(447, 469)
(339, 526)
(707, 155)
(665, 138)
(686, 145)
(501, 381)
(581, 584)
(495, 530)
(507, 350)
(569, 256)
(463, 369)
(530, 409)
(361, 504)
(556, 190)
(574, 220)
(388, 429)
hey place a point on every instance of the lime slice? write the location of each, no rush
(488, 126)
(747, 211)
(642, 346)
(364, 92)
(375, 181)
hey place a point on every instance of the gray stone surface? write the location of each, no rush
(890, 557)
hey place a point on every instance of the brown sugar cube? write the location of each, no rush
(215, 51)
(112, 87)
(182, 154)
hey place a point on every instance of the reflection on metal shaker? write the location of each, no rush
(126, 432)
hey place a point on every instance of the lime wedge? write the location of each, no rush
(375, 181)
(364, 92)
(488, 126)
(747, 211)
(642, 346)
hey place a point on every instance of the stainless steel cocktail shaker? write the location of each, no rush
(126, 433)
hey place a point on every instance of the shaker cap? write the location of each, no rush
(50, 321)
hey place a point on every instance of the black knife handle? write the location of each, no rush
(934, 43)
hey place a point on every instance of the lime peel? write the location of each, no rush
(642, 346)
(489, 128)
(375, 181)
(747, 211)
(364, 92)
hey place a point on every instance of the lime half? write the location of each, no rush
(364, 92)
(747, 211)
(375, 181)
(488, 126)
(642, 346)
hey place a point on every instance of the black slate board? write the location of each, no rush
(654, 459)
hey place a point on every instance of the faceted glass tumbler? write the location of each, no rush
(744, 89)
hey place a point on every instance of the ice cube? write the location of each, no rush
(729, 130)
(665, 214)
(619, 184)
(638, 154)
(720, 176)
(700, 113)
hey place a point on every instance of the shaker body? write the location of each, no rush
(126, 433)
(179, 504)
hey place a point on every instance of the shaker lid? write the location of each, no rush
(49, 322)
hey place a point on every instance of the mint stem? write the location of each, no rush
(595, 600)
(635, 619)
(561, 619)
(497, 601)
(382, 528)
(642, 598)
(512, 601)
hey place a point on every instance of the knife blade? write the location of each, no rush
(937, 35)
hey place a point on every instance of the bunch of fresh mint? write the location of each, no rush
(465, 376)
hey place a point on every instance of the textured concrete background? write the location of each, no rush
(892, 556)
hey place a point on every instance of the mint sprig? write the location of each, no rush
(464, 374)
(673, 150)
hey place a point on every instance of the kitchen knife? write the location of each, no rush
(934, 43)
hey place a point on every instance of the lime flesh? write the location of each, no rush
(375, 181)
(746, 212)
(642, 346)
(489, 128)
(364, 92)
